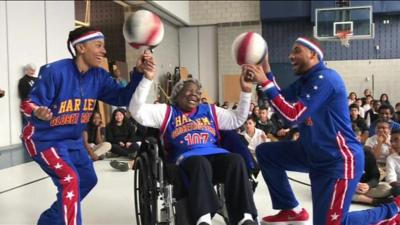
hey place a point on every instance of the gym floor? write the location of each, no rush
(26, 191)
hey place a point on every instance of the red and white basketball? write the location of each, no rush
(143, 29)
(249, 48)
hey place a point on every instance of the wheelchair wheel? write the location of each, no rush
(223, 212)
(145, 192)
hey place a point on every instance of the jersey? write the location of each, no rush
(189, 134)
(317, 103)
(71, 96)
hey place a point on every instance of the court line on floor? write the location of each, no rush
(23, 185)
(26, 184)
(300, 182)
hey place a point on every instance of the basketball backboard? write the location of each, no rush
(355, 20)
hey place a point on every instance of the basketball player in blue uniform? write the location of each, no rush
(190, 134)
(327, 149)
(58, 109)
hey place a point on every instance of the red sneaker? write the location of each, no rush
(286, 217)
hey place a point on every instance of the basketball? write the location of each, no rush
(143, 29)
(249, 48)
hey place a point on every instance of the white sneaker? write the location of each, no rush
(102, 148)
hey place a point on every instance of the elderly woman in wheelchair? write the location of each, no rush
(190, 133)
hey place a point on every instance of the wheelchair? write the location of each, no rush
(159, 193)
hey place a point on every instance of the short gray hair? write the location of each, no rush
(179, 86)
(29, 66)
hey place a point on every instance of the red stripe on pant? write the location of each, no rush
(69, 182)
(27, 134)
(335, 213)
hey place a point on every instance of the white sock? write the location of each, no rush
(297, 209)
(204, 218)
(246, 217)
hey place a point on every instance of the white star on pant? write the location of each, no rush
(334, 216)
(70, 195)
(58, 166)
(68, 178)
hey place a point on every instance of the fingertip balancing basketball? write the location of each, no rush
(143, 29)
(249, 48)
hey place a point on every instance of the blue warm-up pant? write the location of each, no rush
(331, 197)
(71, 170)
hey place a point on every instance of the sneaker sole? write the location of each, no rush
(123, 167)
(286, 223)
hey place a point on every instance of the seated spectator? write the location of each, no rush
(93, 138)
(393, 164)
(367, 92)
(235, 105)
(384, 99)
(265, 124)
(367, 104)
(121, 134)
(191, 131)
(252, 135)
(225, 105)
(386, 114)
(294, 134)
(372, 115)
(26, 83)
(360, 108)
(369, 190)
(352, 98)
(358, 121)
(282, 128)
(256, 112)
(397, 112)
(379, 143)
(116, 73)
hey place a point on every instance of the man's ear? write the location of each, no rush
(80, 48)
(314, 54)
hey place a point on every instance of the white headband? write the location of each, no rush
(88, 37)
(310, 46)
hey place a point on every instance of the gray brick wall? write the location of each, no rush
(215, 12)
(226, 34)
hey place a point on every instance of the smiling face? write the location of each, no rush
(119, 117)
(96, 119)
(189, 97)
(395, 142)
(382, 128)
(92, 52)
(302, 58)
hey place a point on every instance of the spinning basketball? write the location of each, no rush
(143, 29)
(249, 48)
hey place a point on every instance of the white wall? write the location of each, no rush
(198, 53)
(215, 12)
(179, 9)
(35, 31)
(380, 75)
(4, 79)
(189, 49)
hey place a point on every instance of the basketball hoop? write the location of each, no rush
(344, 37)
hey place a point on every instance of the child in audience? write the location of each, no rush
(393, 164)
(121, 134)
(253, 135)
(379, 144)
(93, 138)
